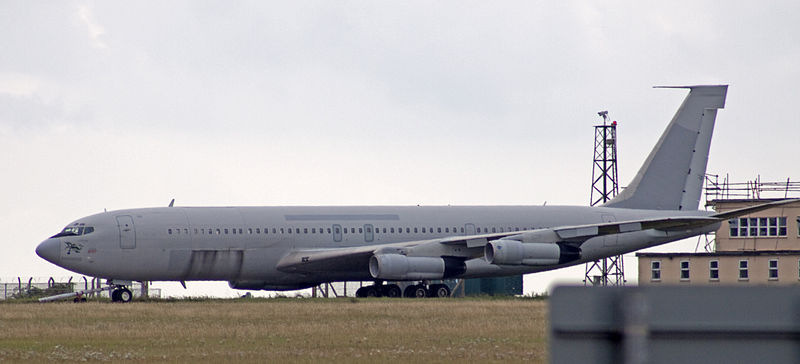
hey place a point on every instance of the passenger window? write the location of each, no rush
(233, 231)
(305, 230)
(281, 230)
(169, 231)
(415, 230)
(289, 230)
(329, 230)
(360, 230)
(218, 232)
(423, 230)
(275, 231)
(369, 229)
(258, 230)
(391, 230)
(336, 229)
(384, 230)
(439, 230)
(313, 230)
(408, 230)
(494, 230)
(479, 230)
(447, 230)
(226, 231)
(462, 230)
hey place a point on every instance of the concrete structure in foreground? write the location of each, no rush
(761, 248)
(674, 324)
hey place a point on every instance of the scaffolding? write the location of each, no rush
(750, 190)
(609, 271)
(718, 187)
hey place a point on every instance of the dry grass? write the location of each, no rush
(278, 330)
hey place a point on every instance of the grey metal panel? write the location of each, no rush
(127, 232)
(675, 324)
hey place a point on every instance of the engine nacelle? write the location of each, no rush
(401, 267)
(512, 252)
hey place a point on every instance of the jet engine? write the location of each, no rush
(401, 267)
(512, 252)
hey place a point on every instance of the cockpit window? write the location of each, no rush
(75, 231)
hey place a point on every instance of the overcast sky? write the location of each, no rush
(110, 105)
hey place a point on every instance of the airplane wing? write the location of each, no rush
(751, 209)
(467, 247)
(356, 259)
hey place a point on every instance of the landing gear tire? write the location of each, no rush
(371, 291)
(416, 291)
(368, 291)
(439, 291)
(391, 290)
(125, 295)
(121, 295)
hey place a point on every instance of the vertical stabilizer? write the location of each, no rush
(671, 177)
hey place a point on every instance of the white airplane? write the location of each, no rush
(290, 248)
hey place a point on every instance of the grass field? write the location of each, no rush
(277, 330)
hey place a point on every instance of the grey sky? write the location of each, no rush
(116, 105)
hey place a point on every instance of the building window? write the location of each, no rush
(713, 270)
(758, 227)
(773, 269)
(684, 270)
(734, 224)
(743, 274)
(655, 270)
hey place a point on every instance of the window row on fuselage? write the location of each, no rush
(337, 229)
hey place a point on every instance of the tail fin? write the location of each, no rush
(672, 175)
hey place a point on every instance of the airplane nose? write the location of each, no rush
(49, 250)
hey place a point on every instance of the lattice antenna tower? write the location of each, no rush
(604, 169)
(609, 271)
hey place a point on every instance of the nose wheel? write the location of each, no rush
(121, 294)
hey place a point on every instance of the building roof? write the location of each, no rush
(740, 253)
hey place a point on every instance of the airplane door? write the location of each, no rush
(127, 233)
(368, 234)
(337, 232)
(609, 240)
(470, 229)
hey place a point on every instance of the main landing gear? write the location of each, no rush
(413, 291)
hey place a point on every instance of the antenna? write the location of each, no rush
(608, 271)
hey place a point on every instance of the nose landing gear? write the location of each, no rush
(121, 294)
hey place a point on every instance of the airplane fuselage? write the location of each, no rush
(245, 244)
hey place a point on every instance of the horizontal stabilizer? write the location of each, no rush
(751, 209)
